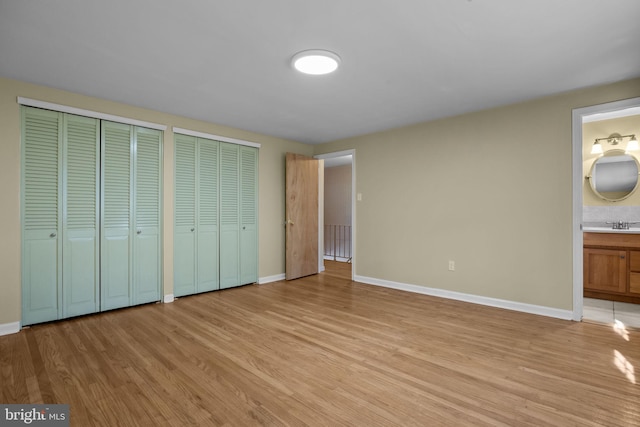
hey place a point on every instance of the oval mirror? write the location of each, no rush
(614, 175)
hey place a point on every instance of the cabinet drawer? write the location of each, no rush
(634, 261)
(634, 283)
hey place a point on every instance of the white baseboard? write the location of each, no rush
(9, 328)
(169, 298)
(475, 299)
(269, 279)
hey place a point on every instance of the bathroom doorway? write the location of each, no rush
(591, 211)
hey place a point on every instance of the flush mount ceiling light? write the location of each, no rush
(615, 139)
(316, 62)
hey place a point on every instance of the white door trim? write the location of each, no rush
(351, 153)
(577, 119)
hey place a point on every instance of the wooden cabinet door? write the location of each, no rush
(605, 270)
(634, 272)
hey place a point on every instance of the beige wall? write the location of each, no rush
(491, 190)
(271, 183)
(600, 129)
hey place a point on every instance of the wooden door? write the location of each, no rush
(301, 216)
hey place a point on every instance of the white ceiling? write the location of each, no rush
(403, 62)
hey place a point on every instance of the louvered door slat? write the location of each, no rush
(40, 135)
(229, 205)
(116, 175)
(185, 189)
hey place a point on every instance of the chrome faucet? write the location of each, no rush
(622, 225)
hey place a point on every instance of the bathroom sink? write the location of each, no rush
(610, 229)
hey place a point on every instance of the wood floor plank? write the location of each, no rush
(325, 351)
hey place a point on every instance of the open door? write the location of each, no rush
(302, 216)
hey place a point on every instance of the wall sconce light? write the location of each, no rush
(615, 139)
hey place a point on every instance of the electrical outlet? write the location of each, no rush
(452, 265)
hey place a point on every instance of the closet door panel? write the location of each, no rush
(183, 264)
(116, 275)
(184, 251)
(248, 215)
(41, 249)
(146, 283)
(229, 216)
(80, 216)
(146, 268)
(80, 287)
(40, 278)
(208, 260)
(207, 184)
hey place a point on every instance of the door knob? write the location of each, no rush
(52, 235)
(139, 231)
(192, 229)
(289, 222)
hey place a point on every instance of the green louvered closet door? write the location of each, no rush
(238, 215)
(184, 240)
(248, 215)
(207, 216)
(41, 215)
(130, 239)
(116, 253)
(196, 215)
(80, 251)
(147, 205)
(229, 215)
(60, 215)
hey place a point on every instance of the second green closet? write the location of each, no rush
(215, 225)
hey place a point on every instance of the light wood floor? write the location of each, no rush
(324, 351)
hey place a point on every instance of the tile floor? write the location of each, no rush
(603, 311)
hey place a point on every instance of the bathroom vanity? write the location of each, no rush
(611, 262)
